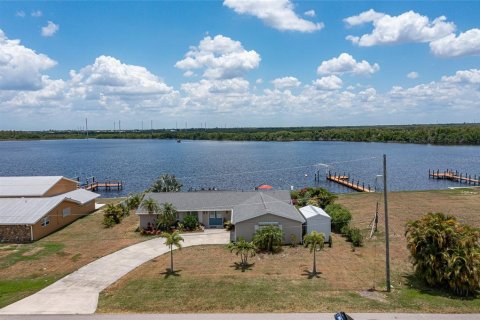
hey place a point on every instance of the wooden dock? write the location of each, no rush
(106, 185)
(454, 176)
(344, 180)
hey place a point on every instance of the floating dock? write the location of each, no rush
(454, 176)
(344, 180)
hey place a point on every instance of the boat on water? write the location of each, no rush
(179, 141)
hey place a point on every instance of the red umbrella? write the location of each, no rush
(264, 187)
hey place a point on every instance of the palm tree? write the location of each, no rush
(268, 238)
(166, 183)
(314, 240)
(172, 239)
(151, 205)
(243, 249)
(167, 217)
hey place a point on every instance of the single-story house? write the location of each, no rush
(33, 207)
(317, 220)
(248, 210)
(35, 186)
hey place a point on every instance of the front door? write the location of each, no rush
(215, 220)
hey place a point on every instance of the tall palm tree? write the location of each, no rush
(314, 241)
(151, 205)
(172, 239)
(166, 183)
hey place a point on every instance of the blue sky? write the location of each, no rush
(238, 63)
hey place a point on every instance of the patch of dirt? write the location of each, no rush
(374, 295)
(32, 251)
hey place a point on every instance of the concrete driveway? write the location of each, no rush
(78, 292)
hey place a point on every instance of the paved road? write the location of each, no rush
(78, 292)
(254, 316)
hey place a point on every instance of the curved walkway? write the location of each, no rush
(78, 292)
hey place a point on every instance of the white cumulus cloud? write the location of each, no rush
(406, 27)
(50, 29)
(345, 63)
(36, 13)
(286, 83)
(220, 57)
(20, 14)
(471, 76)
(466, 43)
(412, 75)
(278, 14)
(328, 83)
(20, 67)
(310, 13)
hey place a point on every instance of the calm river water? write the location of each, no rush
(236, 165)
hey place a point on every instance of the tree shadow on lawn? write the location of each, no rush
(310, 274)
(414, 282)
(241, 266)
(168, 273)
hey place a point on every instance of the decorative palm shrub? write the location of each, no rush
(172, 240)
(445, 253)
(268, 238)
(340, 216)
(167, 217)
(243, 249)
(134, 200)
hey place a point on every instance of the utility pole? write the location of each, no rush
(86, 126)
(151, 129)
(114, 126)
(119, 129)
(387, 239)
(142, 125)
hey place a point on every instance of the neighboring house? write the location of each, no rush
(36, 186)
(248, 210)
(317, 220)
(33, 207)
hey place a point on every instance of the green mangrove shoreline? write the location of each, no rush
(439, 134)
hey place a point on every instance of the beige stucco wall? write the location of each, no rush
(246, 229)
(57, 220)
(62, 186)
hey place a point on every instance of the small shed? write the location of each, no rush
(317, 220)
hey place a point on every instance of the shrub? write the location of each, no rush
(167, 217)
(112, 215)
(340, 216)
(319, 197)
(293, 240)
(228, 225)
(330, 241)
(355, 237)
(268, 238)
(445, 253)
(190, 222)
(108, 221)
(134, 200)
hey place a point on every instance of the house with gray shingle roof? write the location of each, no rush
(247, 210)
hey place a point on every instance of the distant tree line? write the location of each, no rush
(446, 134)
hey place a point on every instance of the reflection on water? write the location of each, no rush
(236, 165)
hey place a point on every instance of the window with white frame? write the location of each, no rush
(45, 221)
(264, 224)
(66, 212)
